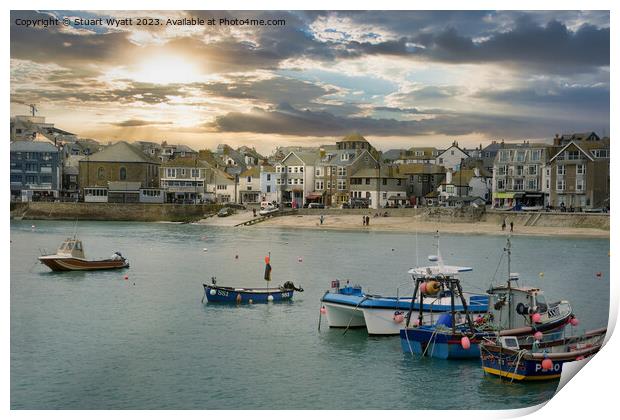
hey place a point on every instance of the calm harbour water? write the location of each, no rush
(97, 341)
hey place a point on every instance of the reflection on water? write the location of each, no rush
(94, 340)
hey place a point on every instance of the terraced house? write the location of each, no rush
(579, 175)
(295, 177)
(35, 170)
(184, 180)
(380, 186)
(520, 176)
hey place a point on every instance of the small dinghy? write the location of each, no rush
(506, 358)
(238, 295)
(70, 257)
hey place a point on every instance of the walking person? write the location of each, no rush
(321, 219)
(367, 220)
(511, 226)
(504, 225)
(364, 220)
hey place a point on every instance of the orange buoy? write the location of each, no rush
(547, 364)
(267, 259)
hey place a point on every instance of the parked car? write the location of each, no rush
(268, 210)
(359, 203)
(224, 211)
(345, 206)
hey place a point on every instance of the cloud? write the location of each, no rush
(287, 120)
(139, 123)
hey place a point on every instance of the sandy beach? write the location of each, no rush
(413, 224)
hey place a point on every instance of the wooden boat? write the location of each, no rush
(70, 257)
(506, 358)
(513, 311)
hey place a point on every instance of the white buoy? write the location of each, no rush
(212, 292)
(270, 298)
(204, 249)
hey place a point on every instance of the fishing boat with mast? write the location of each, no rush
(238, 295)
(541, 360)
(513, 311)
(350, 307)
(70, 257)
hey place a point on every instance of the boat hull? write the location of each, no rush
(77, 264)
(379, 314)
(446, 345)
(221, 294)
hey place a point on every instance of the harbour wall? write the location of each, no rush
(112, 211)
(187, 213)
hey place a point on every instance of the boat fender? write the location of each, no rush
(574, 321)
(465, 343)
(270, 298)
(536, 317)
(398, 317)
(547, 364)
(323, 310)
(238, 298)
(212, 292)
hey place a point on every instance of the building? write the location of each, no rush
(422, 179)
(465, 184)
(295, 179)
(250, 156)
(185, 179)
(381, 186)
(269, 184)
(222, 186)
(419, 155)
(173, 151)
(27, 127)
(249, 186)
(125, 165)
(35, 170)
(71, 177)
(519, 175)
(452, 157)
(579, 175)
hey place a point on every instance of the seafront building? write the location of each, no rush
(35, 170)
(249, 191)
(120, 173)
(185, 179)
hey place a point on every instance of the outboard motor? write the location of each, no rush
(289, 285)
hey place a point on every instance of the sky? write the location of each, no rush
(401, 79)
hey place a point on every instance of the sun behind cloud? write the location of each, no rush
(165, 69)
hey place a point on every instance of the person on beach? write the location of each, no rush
(321, 219)
(254, 212)
(364, 220)
(504, 225)
(367, 220)
(511, 226)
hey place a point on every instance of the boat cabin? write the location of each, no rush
(71, 247)
(511, 306)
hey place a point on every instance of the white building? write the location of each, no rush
(451, 157)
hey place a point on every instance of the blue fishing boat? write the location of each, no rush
(351, 307)
(239, 295)
(512, 311)
(507, 358)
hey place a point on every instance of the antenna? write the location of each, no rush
(33, 109)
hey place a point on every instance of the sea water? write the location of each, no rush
(95, 340)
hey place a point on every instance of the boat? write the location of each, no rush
(507, 358)
(268, 210)
(512, 311)
(70, 257)
(239, 295)
(350, 307)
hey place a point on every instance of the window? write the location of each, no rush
(504, 155)
(295, 181)
(501, 170)
(384, 195)
(367, 181)
(317, 172)
(290, 182)
(268, 188)
(221, 187)
(519, 170)
(500, 184)
(182, 171)
(342, 171)
(301, 181)
(520, 155)
(561, 170)
(342, 184)
(532, 184)
(572, 155)
(517, 184)
(560, 185)
(170, 172)
(195, 173)
(289, 169)
(268, 177)
(532, 170)
(451, 152)
(536, 154)
(249, 179)
(295, 169)
(399, 181)
(318, 185)
(600, 153)
(301, 169)
(581, 169)
(278, 181)
(384, 181)
(100, 173)
(440, 161)
(579, 185)
(122, 174)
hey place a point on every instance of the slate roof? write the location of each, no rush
(32, 146)
(122, 152)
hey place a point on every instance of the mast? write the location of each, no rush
(507, 250)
